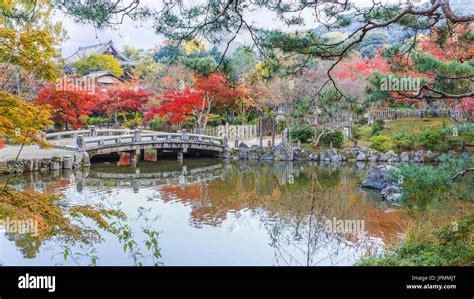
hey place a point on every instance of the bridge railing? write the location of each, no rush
(138, 137)
(90, 133)
(84, 140)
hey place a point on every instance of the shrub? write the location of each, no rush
(377, 126)
(356, 133)
(133, 122)
(96, 120)
(216, 119)
(156, 124)
(430, 139)
(302, 133)
(452, 142)
(381, 143)
(404, 141)
(337, 139)
(465, 132)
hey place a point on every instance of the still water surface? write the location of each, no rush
(208, 212)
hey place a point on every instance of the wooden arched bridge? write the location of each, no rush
(108, 141)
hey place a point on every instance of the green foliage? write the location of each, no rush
(381, 143)
(373, 90)
(135, 121)
(202, 65)
(430, 139)
(167, 53)
(156, 124)
(337, 139)
(300, 108)
(243, 61)
(356, 132)
(372, 43)
(423, 184)
(404, 141)
(96, 120)
(451, 245)
(302, 133)
(98, 62)
(215, 119)
(465, 132)
(377, 126)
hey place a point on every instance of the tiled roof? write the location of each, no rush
(100, 48)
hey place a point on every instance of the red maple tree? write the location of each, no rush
(218, 90)
(209, 92)
(68, 106)
(123, 100)
(178, 106)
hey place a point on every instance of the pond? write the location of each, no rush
(211, 212)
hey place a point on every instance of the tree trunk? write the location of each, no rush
(318, 138)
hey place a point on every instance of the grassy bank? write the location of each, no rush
(392, 127)
(428, 245)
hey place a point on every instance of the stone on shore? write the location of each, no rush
(392, 194)
(378, 177)
(405, 157)
(361, 156)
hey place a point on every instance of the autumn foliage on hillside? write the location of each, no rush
(362, 67)
(440, 61)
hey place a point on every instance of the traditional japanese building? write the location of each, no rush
(103, 79)
(106, 48)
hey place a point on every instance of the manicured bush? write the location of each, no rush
(430, 139)
(337, 139)
(301, 133)
(381, 143)
(404, 141)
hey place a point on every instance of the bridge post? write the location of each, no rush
(180, 155)
(225, 140)
(136, 186)
(136, 135)
(80, 143)
(93, 131)
(184, 135)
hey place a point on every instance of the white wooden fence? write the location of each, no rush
(232, 131)
(392, 113)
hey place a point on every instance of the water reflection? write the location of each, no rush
(207, 212)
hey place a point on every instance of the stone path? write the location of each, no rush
(32, 152)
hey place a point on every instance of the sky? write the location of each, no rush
(142, 35)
